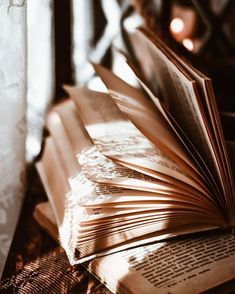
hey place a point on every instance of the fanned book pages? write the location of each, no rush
(125, 168)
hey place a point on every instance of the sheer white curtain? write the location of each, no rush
(26, 89)
(12, 117)
(40, 59)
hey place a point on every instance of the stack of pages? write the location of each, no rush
(191, 264)
(127, 168)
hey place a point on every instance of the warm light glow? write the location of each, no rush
(188, 44)
(177, 25)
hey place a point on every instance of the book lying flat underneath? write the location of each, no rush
(124, 169)
(193, 264)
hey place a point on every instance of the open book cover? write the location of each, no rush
(126, 168)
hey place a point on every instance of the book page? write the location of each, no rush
(56, 190)
(96, 166)
(183, 103)
(198, 160)
(100, 197)
(224, 153)
(144, 115)
(86, 252)
(207, 98)
(87, 195)
(190, 265)
(90, 161)
(44, 215)
(117, 138)
(138, 110)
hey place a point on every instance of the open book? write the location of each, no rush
(188, 265)
(125, 169)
